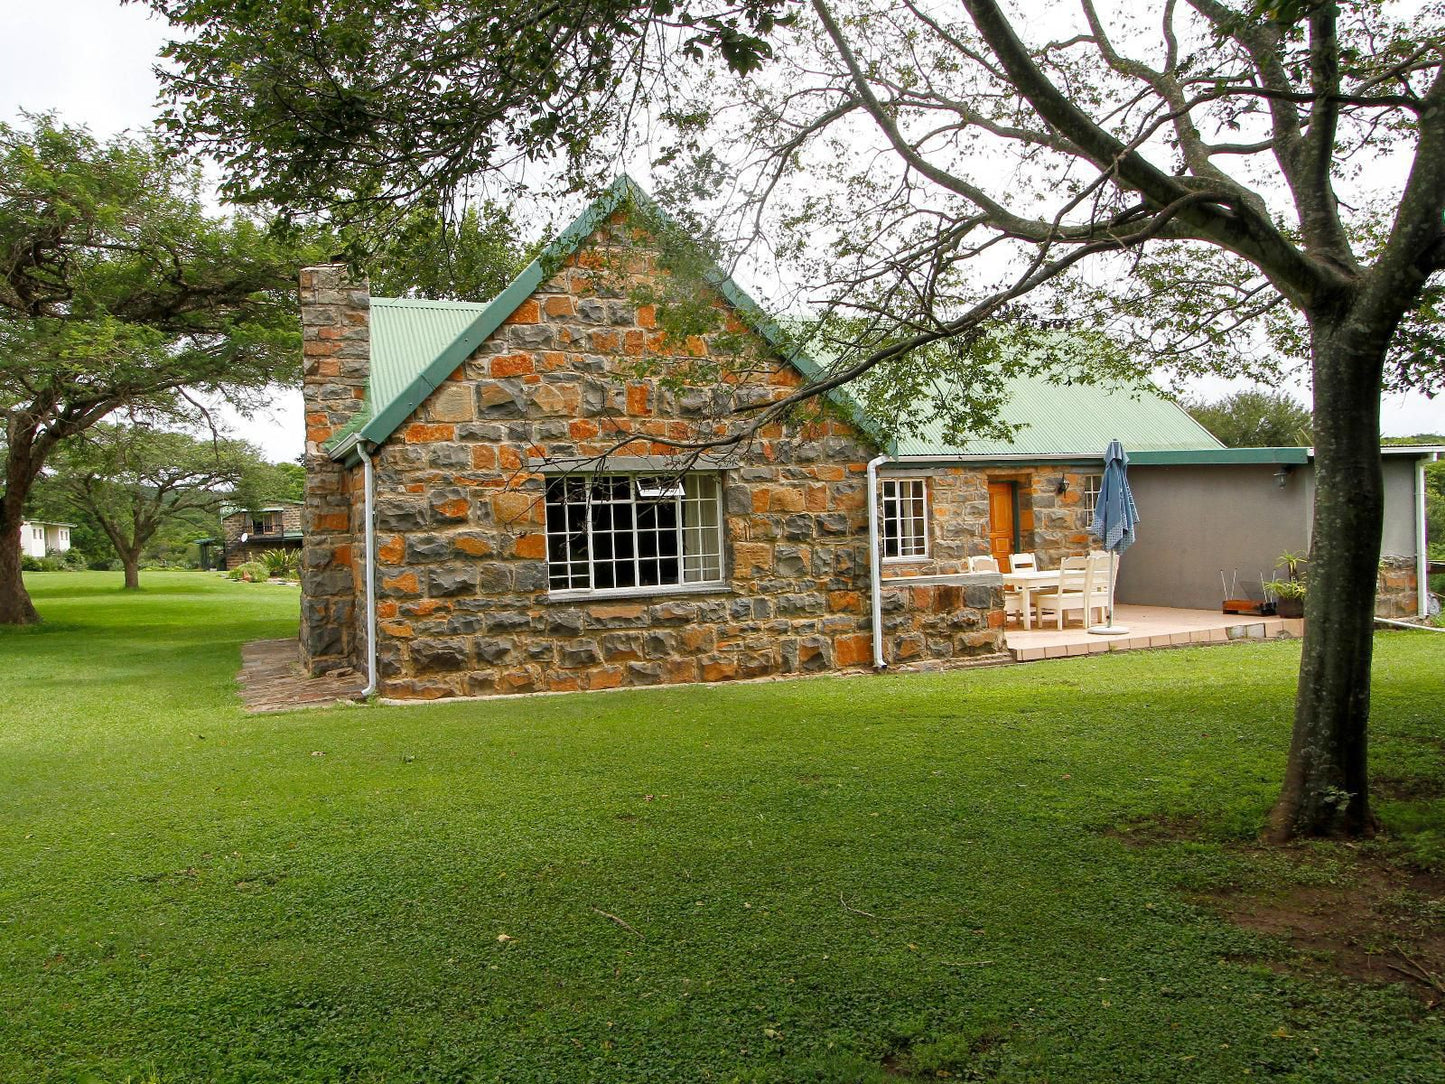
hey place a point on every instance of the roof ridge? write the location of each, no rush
(429, 303)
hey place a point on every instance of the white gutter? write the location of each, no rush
(370, 543)
(1422, 556)
(875, 562)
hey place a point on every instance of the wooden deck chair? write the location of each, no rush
(1023, 562)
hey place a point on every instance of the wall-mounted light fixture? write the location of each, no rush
(1281, 476)
(1062, 487)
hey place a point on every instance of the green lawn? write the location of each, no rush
(416, 894)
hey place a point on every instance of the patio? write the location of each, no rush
(1149, 627)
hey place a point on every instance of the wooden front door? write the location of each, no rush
(1003, 526)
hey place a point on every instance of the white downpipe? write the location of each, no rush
(1422, 556)
(875, 562)
(370, 543)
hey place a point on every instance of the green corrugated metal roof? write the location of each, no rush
(1074, 420)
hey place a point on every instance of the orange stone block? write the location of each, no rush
(995, 619)
(476, 547)
(484, 457)
(403, 584)
(604, 342)
(559, 306)
(531, 546)
(637, 399)
(332, 521)
(721, 670)
(427, 432)
(513, 507)
(512, 365)
(526, 313)
(853, 650)
(845, 601)
(604, 677)
(582, 429)
(397, 629)
(647, 316)
(634, 342)
(386, 608)
(455, 508)
(508, 458)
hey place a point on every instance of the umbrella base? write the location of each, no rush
(1107, 630)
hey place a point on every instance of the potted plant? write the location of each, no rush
(1290, 593)
(1289, 597)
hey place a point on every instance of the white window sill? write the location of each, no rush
(605, 594)
(906, 560)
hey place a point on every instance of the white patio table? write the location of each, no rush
(1026, 583)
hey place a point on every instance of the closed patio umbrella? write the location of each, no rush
(1115, 517)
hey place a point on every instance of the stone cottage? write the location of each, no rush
(248, 533)
(535, 529)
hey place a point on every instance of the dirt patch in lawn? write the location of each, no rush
(1374, 922)
(1353, 913)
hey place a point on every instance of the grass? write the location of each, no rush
(837, 880)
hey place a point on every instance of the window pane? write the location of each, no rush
(619, 531)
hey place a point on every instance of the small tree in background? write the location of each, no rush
(1255, 419)
(135, 479)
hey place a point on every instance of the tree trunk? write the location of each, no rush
(1326, 789)
(15, 605)
(131, 564)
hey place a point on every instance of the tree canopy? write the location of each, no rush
(1210, 187)
(118, 289)
(1255, 419)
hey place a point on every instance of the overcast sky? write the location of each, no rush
(90, 61)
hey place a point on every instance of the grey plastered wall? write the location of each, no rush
(1196, 520)
(1399, 536)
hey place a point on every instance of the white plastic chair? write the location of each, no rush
(1023, 562)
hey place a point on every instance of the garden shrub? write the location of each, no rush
(281, 563)
(251, 572)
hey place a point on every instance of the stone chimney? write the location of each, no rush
(336, 360)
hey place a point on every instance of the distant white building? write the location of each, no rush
(37, 538)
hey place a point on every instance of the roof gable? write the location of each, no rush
(416, 345)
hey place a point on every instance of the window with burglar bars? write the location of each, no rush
(905, 518)
(617, 532)
(266, 523)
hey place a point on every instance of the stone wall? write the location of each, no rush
(582, 370)
(1052, 525)
(336, 353)
(1396, 588)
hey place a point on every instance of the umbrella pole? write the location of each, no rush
(1110, 629)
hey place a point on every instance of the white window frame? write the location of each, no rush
(1093, 486)
(918, 545)
(641, 487)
